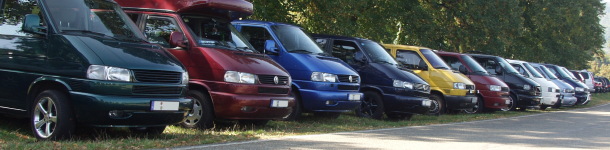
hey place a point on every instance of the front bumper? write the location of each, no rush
(460, 102)
(406, 104)
(568, 99)
(242, 106)
(494, 99)
(529, 100)
(131, 111)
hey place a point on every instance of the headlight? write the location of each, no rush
(323, 77)
(402, 84)
(99, 72)
(527, 87)
(459, 85)
(579, 89)
(495, 88)
(185, 78)
(240, 77)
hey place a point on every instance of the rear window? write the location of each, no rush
(585, 75)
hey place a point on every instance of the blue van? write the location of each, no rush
(387, 88)
(321, 84)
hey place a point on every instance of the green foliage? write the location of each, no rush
(565, 32)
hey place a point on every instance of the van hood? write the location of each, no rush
(129, 55)
(393, 72)
(229, 60)
(544, 83)
(562, 84)
(300, 66)
(451, 76)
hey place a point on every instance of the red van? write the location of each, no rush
(494, 93)
(228, 78)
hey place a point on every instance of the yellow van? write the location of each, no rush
(451, 91)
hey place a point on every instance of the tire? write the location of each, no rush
(438, 105)
(398, 117)
(558, 104)
(51, 116)
(512, 105)
(479, 107)
(543, 107)
(371, 106)
(253, 122)
(202, 115)
(148, 130)
(328, 115)
(297, 109)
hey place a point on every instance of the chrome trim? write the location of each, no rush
(11, 108)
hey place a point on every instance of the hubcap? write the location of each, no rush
(434, 108)
(509, 106)
(194, 115)
(45, 117)
(474, 109)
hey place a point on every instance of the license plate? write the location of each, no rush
(354, 97)
(164, 106)
(279, 103)
(507, 102)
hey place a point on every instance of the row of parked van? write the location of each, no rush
(148, 64)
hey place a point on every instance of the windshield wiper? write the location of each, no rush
(91, 33)
(129, 38)
(300, 51)
(383, 62)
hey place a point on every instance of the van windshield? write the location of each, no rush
(568, 73)
(507, 67)
(547, 72)
(295, 40)
(474, 65)
(92, 17)
(532, 70)
(434, 60)
(376, 53)
(212, 32)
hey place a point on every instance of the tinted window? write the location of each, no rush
(433, 59)
(488, 64)
(585, 75)
(159, 29)
(13, 13)
(519, 69)
(376, 53)
(345, 50)
(532, 70)
(409, 59)
(295, 40)
(473, 65)
(256, 36)
(211, 32)
(453, 62)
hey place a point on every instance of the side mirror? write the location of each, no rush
(359, 57)
(463, 69)
(176, 39)
(498, 70)
(31, 24)
(270, 47)
(422, 65)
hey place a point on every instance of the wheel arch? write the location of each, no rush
(45, 83)
(205, 90)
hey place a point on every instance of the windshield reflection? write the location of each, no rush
(92, 17)
(507, 67)
(295, 40)
(211, 32)
(474, 65)
(434, 60)
(376, 53)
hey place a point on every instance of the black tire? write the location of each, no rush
(51, 116)
(543, 107)
(478, 108)
(513, 103)
(438, 105)
(558, 104)
(328, 115)
(297, 109)
(371, 106)
(202, 114)
(148, 130)
(398, 117)
(253, 122)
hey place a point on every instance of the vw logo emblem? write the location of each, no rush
(350, 79)
(276, 80)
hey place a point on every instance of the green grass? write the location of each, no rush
(16, 134)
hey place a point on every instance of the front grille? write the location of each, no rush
(155, 76)
(156, 90)
(505, 89)
(470, 87)
(538, 90)
(346, 78)
(270, 79)
(422, 87)
(348, 87)
(265, 90)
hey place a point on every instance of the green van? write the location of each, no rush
(68, 63)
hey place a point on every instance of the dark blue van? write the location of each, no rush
(321, 84)
(387, 88)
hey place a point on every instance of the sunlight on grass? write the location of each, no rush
(15, 133)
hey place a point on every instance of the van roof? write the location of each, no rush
(241, 7)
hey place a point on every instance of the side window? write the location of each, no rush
(453, 62)
(158, 29)
(409, 59)
(256, 36)
(489, 65)
(13, 14)
(345, 50)
(519, 68)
